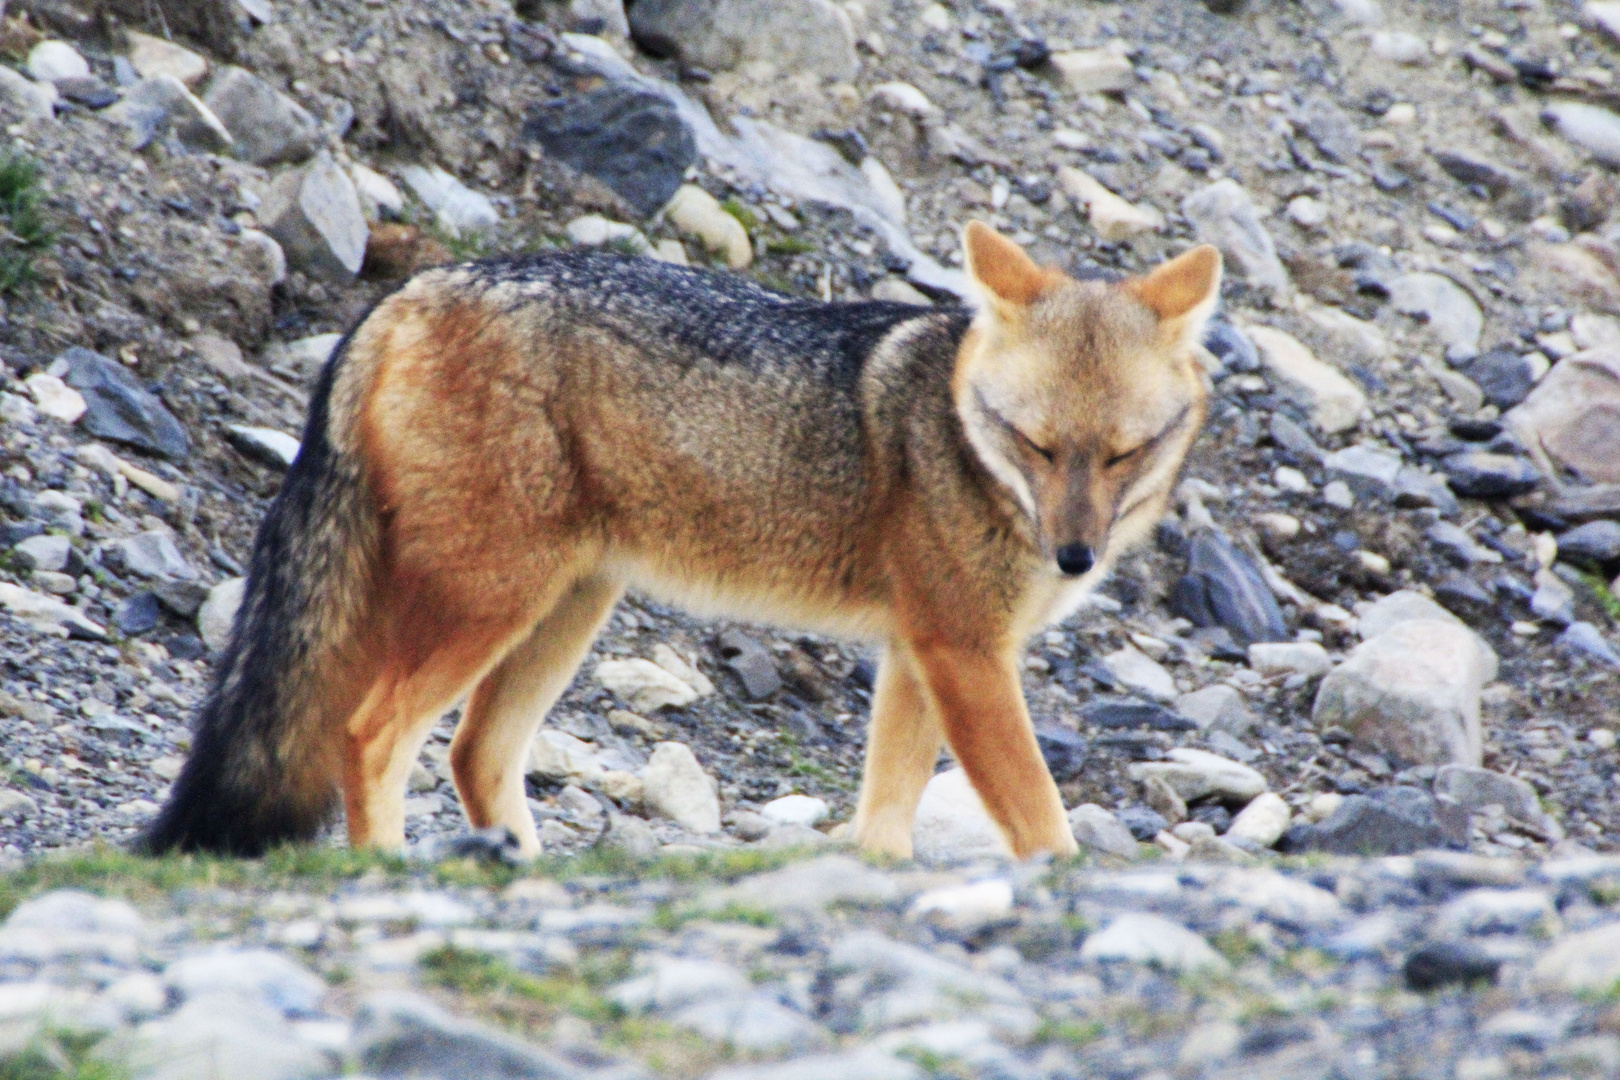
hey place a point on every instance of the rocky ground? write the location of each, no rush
(1382, 621)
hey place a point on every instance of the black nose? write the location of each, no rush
(1074, 559)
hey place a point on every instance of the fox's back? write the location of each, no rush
(700, 423)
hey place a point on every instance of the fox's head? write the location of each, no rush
(1082, 397)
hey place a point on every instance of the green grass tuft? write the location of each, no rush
(24, 232)
(736, 209)
(60, 1056)
(789, 245)
(1604, 595)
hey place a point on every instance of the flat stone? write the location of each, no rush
(1593, 543)
(153, 554)
(1480, 474)
(272, 447)
(1111, 217)
(952, 824)
(119, 408)
(1387, 821)
(644, 686)
(813, 37)
(221, 1035)
(1094, 71)
(138, 614)
(1371, 471)
(314, 214)
(675, 785)
(898, 985)
(1591, 127)
(904, 98)
(1140, 673)
(1117, 712)
(1217, 708)
(1154, 941)
(1585, 639)
(752, 663)
(1412, 693)
(965, 907)
(254, 974)
(1306, 658)
(756, 1023)
(1450, 312)
(810, 886)
(48, 553)
(404, 1035)
(1502, 375)
(558, 755)
(1063, 750)
(1335, 403)
(1343, 335)
(1097, 829)
(1223, 587)
(1500, 911)
(269, 127)
(458, 208)
(671, 982)
(35, 100)
(47, 613)
(1224, 215)
(627, 137)
(152, 56)
(1198, 774)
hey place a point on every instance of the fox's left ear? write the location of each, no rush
(1182, 292)
(1007, 279)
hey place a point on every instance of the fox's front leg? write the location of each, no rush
(980, 705)
(902, 746)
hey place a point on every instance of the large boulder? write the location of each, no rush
(269, 127)
(119, 408)
(314, 214)
(1412, 693)
(813, 36)
(631, 139)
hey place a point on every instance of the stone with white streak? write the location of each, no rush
(1112, 217)
(1335, 403)
(1199, 774)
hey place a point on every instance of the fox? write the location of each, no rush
(501, 448)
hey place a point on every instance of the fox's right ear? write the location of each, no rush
(1182, 292)
(1004, 275)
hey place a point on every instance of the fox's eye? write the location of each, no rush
(1048, 455)
(1120, 459)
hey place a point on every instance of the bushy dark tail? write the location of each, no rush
(264, 765)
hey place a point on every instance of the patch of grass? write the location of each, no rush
(1069, 1032)
(1603, 594)
(736, 209)
(1604, 893)
(60, 1056)
(482, 975)
(670, 917)
(24, 233)
(789, 245)
(1235, 945)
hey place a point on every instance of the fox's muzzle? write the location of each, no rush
(1075, 559)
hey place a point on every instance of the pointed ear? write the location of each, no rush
(1183, 291)
(1007, 278)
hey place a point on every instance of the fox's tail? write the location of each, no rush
(265, 761)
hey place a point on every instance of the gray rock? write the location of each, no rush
(403, 1035)
(676, 786)
(893, 985)
(1225, 215)
(269, 127)
(1574, 415)
(252, 974)
(35, 100)
(1479, 474)
(863, 1063)
(1064, 751)
(217, 615)
(1498, 911)
(1335, 403)
(43, 552)
(752, 663)
(1140, 674)
(138, 615)
(1592, 543)
(1583, 963)
(1097, 829)
(1473, 789)
(631, 835)
(1458, 545)
(119, 408)
(1396, 608)
(1502, 374)
(1415, 487)
(314, 214)
(952, 825)
(756, 1023)
(457, 207)
(1553, 600)
(1371, 471)
(810, 886)
(1387, 821)
(1584, 638)
(672, 982)
(1198, 774)
(1594, 129)
(1142, 938)
(1451, 313)
(219, 1036)
(1223, 587)
(55, 61)
(1231, 346)
(812, 36)
(1217, 708)
(154, 555)
(630, 139)
(274, 448)
(1412, 693)
(157, 106)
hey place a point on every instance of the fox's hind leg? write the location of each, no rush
(981, 708)
(492, 742)
(901, 749)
